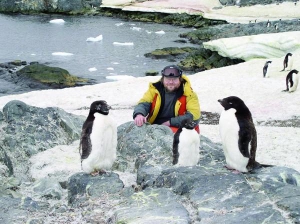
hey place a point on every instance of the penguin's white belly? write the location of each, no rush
(295, 79)
(188, 148)
(229, 131)
(104, 144)
(290, 63)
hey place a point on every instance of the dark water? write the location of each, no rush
(33, 38)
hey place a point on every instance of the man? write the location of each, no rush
(168, 101)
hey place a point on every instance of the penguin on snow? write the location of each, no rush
(186, 144)
(292, 80)
(288, 62)
(265, 69)
(98, 141)
(238, 135)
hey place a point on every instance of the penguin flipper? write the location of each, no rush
(244, 142)
(85, 144)
(175, 146)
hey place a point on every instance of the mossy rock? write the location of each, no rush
(179, 19)
(50, 75)
(152, 73)
(170, 52)
(204, 59)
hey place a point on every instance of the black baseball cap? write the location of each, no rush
(171, 71)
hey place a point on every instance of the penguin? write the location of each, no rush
(186, 144)
(286, 62)
(238, 135)
(292, 79)
(268, 23)
(265, 69)
(98, 140)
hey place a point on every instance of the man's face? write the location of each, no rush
(171, 84)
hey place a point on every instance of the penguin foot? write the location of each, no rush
(102, 172)
(98, 172)
(232, 169)
(94, 173)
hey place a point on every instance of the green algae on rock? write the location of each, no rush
(53, 76)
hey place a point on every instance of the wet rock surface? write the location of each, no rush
(20, 77)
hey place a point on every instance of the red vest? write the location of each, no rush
(182, 110)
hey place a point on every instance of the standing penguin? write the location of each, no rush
(292, 79)
(265, 69)
(186, 144)
(98, 141)
(238, 135)
(287, 63)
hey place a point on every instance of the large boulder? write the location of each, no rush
(27, 130)
(53, 77)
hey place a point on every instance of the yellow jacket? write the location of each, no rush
(192, 103)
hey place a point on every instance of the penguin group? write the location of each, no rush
(292, 78)
(98, 142)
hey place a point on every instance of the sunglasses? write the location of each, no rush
(171, 72)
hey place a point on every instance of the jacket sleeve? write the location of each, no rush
(141, 108)
(144, 105)
(192, 111)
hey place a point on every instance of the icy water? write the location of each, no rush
(118, 55)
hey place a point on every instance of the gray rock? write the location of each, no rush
(146, 145)
(50, 6)
(16, 210)
(48, 188)
(152, 206)
(28, 130)
(82, 184)
(252, 2)
(164, 193)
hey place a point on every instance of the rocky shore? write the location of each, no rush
(144, 186)
(20, 77)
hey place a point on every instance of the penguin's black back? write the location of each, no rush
(247, 132)
(289, 79)
(85, 146)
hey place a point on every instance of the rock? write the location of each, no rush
(82, 184)
(170, 53)
(152, 148)
(52, 6)
(207, 192)
(15, 78)
(152, 73)
(50, 76)
(48, 188)
(152, 206)
(16, 210)
(28, 130)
